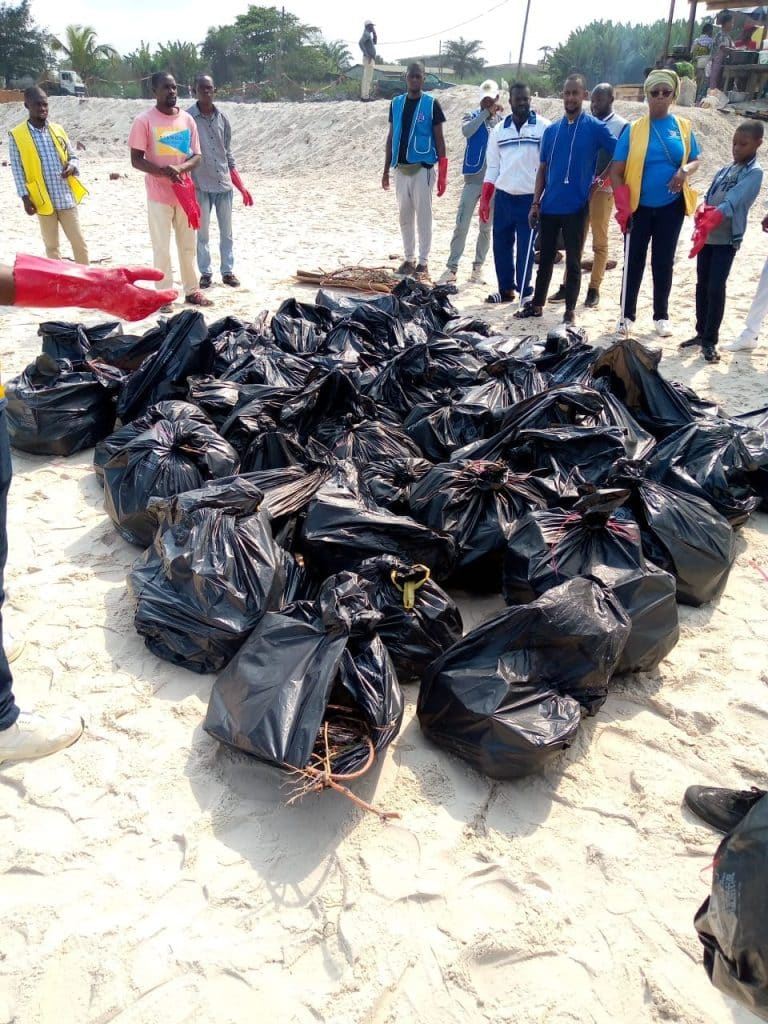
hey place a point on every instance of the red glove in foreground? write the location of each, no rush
(706, 219)
(185, 193)
(442, 175)
(41, 282)
(237, 181)
(485, 200)
(623, 201)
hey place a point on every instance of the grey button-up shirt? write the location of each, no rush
(215, 131)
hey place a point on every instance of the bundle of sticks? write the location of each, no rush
(354, 278)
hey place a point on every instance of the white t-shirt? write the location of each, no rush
(513, 154)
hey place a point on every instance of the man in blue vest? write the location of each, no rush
(415, 143)
(476, 128)
(513, 160)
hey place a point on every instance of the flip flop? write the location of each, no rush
(496, 297)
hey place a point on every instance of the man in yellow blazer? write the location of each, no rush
(45, 170)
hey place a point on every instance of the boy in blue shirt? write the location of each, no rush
(569, 150)
(720, 226)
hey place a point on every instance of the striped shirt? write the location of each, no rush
(58, 187)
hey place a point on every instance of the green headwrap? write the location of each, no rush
(662, 76)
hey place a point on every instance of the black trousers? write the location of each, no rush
(659, 227)
(713, 265)
(572, 227)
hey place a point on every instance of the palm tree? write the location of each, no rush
(83, 54)
(142, 63)
(337, 53)
(462, 55)
(181, 59)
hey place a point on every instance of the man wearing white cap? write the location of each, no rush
(476, 127)
(368, 42)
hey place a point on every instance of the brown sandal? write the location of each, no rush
(528, 311)
(197, 298)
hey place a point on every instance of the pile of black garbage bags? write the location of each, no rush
(308, 489)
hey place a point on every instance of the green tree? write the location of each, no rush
(22, 44)
(91, 60)
(181, 59)
(224, 55)
(142, 63)
(336, 53)
(270, 39)
(463, 56)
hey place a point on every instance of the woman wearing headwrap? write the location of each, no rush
(649, 174)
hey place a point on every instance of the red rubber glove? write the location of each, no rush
(185, 193)
(442, 175)
(485, 200)
(237, 181)
(40, 282)
(621, 198)
(706, 219)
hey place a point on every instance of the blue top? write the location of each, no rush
(733, 190)
(663, 159)
(569, 149)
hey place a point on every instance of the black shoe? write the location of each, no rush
(711, 355)
(592, 300)
(230, 280)
(205, 280)
(723, 809)
(690, 342)
(569, 316)
(559, 295)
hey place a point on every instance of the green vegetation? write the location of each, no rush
(23, 48)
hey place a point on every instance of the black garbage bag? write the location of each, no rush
(502, 383)
(403, 381)
(328, 397)
(388, 484)
(476, 503)
(732, 923)
(368, 441)
(351, 343)
(184, 352)
(63, 340)
(569, 455)
(597, 538)
(54, 410)
(506, 697)
(709, 460)
(418, 619)
(219, 398)
(262, 362)
(169, 457)
(117, 440)
(446, 423)
(340, 532)
(211, 572)
(681, 533)
(299, 327)
(381, 316)
(258, 440)
(755, 440)
(305, 666)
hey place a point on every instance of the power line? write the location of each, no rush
(439, 32)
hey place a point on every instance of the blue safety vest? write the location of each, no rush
(421, 141)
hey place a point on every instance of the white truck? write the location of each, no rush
(62, 82)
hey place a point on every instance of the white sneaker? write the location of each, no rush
(33, 735)
(623, 329)
(448, 276)
(663, 328)
(12, 646)
(476, 277)
(743, 343)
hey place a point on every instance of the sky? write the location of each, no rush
(125, 23)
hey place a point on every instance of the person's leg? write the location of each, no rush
(521, 207)
(367, 79)
(424, 183)
(49, 229)
(573, 239)
(703, 269)
(185, 247)
(667, 224)
(226, 243)
(470, 194)
(639, 239)
(483, 243)
(759, 307)
(549, 230)
(205, 200)
(504, 241)
(70, 223)
(600, 209)
(8, 710)
(721, 261)
(407, 213)
(160, 219)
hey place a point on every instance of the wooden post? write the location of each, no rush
(522, 40)
(691, 23)
(668, 36)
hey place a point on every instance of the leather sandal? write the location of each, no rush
(528, 310)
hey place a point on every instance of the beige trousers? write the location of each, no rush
(600, 208)
(70, 223)
(367, 79)
(163, 219)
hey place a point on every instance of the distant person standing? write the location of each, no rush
(214, 177)
(368, 41)
(164, 146)
(46, 173)
(415, 143)
(476, 128)
(721, 44)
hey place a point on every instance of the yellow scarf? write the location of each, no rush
(33, 168)
(640, 134)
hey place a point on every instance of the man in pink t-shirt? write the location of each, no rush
(165, 146)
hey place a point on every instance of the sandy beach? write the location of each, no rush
(149, 875)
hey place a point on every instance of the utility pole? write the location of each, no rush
(522, 40)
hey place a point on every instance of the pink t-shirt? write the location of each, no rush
(166, 140)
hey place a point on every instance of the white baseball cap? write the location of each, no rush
(489, 88)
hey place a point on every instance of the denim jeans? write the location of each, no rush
(8, 710)
(713, 266)
(222, 203)
(511, 237)
(470, 196)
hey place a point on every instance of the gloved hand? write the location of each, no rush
(184, 191)
(623, 201)
(237, 181)
(40, 282)
(706, 219)
(442, 175)
(485, 200)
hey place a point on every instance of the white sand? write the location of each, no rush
(149, 875)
